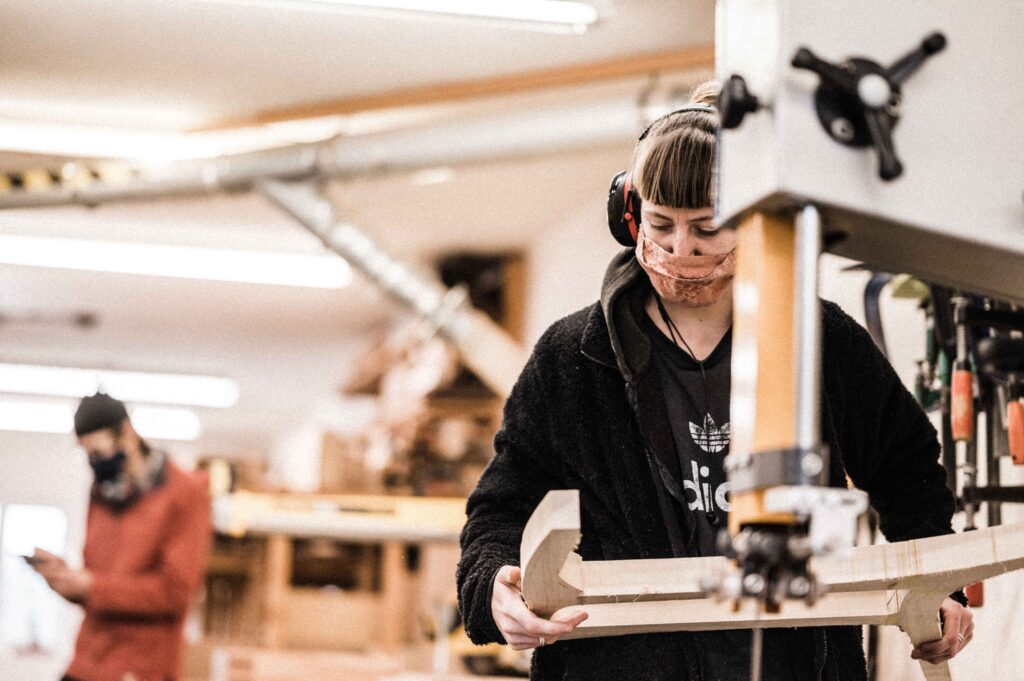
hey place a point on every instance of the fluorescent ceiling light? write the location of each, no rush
(251, 267)
(130, 386)
(548, 15)
(82, 140)
(91, 141)
(429, 176)
(158, 423)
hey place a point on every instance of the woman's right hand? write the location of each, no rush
(521, 628)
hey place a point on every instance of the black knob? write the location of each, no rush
(933, 43)
(880, 129)
(837, 74)
(858, 100)
(907, 64)
(735, 101)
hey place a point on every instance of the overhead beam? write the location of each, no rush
(684, 59)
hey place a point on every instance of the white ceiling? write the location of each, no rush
(177, 64)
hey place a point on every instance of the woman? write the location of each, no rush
(628, 402)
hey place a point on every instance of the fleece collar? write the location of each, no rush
(613, 335)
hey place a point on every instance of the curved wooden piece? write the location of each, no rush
(549, 539)
(902, 583)
(704, 614)
(919, 618)
(943, 563)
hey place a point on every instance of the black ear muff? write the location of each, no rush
(623, 209)
(623, 202)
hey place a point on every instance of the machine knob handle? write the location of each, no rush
(735, 101)
(870, 91)
(880, 129)
(906, 65)
(833, 73)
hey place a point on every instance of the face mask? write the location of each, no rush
(107, 470)
(690, 280)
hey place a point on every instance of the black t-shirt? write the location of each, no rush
(698, 414)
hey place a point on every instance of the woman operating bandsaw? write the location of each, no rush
(628, 402)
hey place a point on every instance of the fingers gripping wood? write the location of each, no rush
(547, 553)
(919, 618)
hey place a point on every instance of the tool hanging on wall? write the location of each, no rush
(1003, 359)
(984, 381)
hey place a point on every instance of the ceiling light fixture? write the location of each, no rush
(543, 15)
(157, 146)
(430, 176)
(182, 262)
(158, 423)
(130, 386)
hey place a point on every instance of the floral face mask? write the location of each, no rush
(691, 280)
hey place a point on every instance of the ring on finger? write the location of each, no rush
(961, 637)
(542, 641)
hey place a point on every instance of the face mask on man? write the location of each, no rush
(106, 470)
(690, 280)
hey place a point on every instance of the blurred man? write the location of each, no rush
(147, 541)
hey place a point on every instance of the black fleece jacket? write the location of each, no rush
(569, 424)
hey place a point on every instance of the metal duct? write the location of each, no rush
(481, 139)
(484, 346)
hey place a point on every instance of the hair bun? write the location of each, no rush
(706, 93)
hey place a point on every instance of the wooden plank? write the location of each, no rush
(701, 57)
(919, 618)
(618, 619)
(948, 562)
(546, 547)
(900, 584)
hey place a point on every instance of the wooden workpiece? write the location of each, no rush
(901, 583)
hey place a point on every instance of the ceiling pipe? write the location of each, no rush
(495, 137)
(493, 355)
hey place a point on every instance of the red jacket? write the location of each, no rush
(147, 562)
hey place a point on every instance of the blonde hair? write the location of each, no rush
(674, 164)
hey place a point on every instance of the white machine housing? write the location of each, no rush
(956, 214)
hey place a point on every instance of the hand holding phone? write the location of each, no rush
(32, 560)
(41, 558)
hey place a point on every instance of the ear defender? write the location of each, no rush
(623, 202)
(623, 209)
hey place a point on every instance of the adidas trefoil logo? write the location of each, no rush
(710, 438)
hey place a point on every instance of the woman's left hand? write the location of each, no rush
(957, 632)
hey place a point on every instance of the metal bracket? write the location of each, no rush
(774, 468)
(833, 513)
